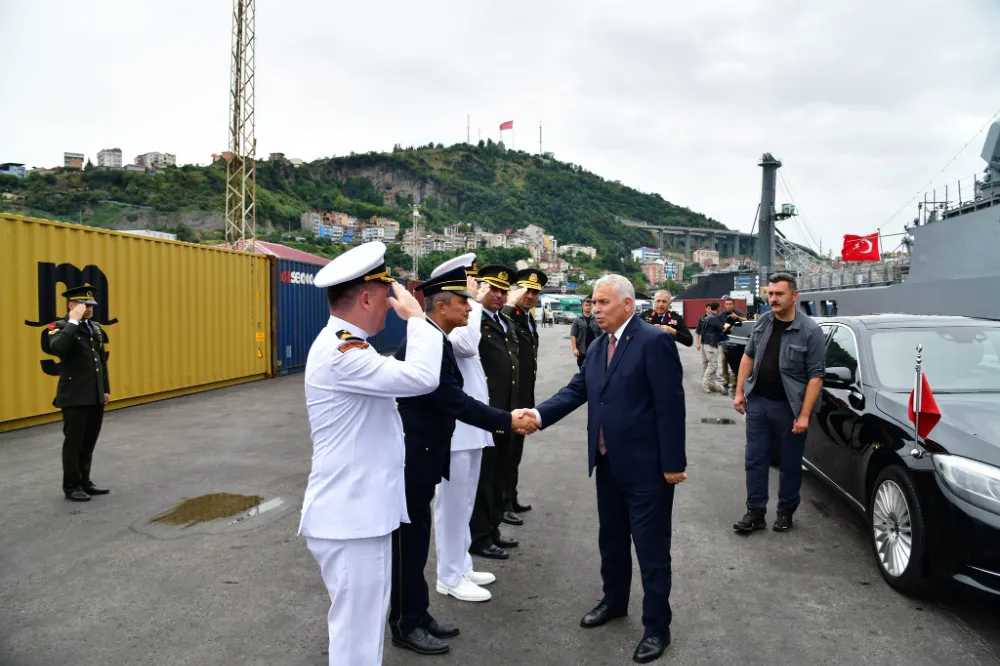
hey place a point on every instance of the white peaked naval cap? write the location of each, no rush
(364, 263)
(461, 261)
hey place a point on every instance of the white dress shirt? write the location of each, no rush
(355, 488)
(618, 338)
(465, 343)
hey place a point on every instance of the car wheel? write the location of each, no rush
(898, 531)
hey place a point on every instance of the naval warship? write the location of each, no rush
(949, 267)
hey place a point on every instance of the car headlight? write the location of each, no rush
(975, 482)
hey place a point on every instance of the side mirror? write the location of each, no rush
(841, 378)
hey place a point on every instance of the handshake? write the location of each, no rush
(523, 421)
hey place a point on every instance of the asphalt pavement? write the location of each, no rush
(100, 584)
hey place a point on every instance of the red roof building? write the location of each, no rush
(279, 251)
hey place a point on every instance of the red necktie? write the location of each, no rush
(600, 433)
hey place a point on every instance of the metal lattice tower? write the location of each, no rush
(241, 211)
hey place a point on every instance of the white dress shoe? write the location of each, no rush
(466, 590)
(479, 577)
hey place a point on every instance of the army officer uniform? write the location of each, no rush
(498, 354)
(672, 319)
(83, 382)
(527, 345)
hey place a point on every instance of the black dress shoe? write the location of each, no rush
(649, 648)
(521, 508)
(94, 490)
(512, 518)
(491, 551)
(441, 630)
(505, 542)
(421, 642)
(77, 496)
(602, 614)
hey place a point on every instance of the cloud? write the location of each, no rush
(864, 102)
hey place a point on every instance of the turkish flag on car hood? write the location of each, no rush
(922, 401)
(860, 248)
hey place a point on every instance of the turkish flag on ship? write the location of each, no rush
(922, 403)
(507, 125)
(860, 248)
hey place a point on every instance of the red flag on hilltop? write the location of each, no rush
(922, 402)
(860, 248)
(507, 125)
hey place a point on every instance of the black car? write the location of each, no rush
(932, 509)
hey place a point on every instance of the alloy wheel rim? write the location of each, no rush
(892, 528)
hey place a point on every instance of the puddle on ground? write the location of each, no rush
(209, 507)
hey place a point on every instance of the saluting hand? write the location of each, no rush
(405, 305)
(484, 290)
(514, 295)
(78, 311)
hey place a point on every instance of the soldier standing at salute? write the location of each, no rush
(83, 389)
(498, 353)
(666, 319)
(518, 308)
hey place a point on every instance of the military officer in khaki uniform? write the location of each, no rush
(83, 389)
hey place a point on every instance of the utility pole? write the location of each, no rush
(468, 128)
(539, 137)
(416, 242)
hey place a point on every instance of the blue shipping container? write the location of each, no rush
(300, 313)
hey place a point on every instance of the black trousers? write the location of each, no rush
(580, 359)
(641, 514)
(514, 454)
(81, 428)
(484, 526)
(411, 542)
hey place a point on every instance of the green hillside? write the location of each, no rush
(485, 185)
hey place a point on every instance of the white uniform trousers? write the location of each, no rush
(358, 575)
(452, 512)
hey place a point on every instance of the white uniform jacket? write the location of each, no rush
(355, 488)
(465, 343)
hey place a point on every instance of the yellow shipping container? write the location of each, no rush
(180, 317)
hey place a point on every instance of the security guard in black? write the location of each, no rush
(83, 389)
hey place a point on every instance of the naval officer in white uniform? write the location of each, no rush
(355, 496)
(457, 495)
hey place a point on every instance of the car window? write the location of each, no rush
(842, 351)
(954, 358)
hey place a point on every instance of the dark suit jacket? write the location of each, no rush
(527, 354)
(429, 420)
(498, 354)
(638, 399)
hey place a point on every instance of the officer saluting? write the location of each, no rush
(355, 498)
(518, 308)
(666, 319)
(498, 354)
(429, 421)
(83, 388)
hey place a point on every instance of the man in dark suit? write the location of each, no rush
(498, 353)
(632, 382)
(428, 425)
(83, 390)
(530, 281)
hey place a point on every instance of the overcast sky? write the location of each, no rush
(863, 101)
